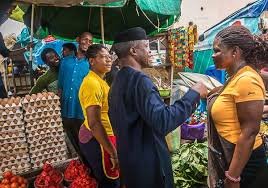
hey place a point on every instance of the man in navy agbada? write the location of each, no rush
(139, 117)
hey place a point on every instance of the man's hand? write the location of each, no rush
(201, 89)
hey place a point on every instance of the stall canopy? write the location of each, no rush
(68, 22)
(247, 16)
(64, 3)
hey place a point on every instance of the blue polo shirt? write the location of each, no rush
(71, 74)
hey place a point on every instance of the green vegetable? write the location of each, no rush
(189, 165)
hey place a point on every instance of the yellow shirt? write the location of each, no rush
(246, 85)
(94, 91)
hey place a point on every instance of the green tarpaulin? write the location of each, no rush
(152, 15)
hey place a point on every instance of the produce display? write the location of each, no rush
(160, 78)
(75, 169)
(12, 181)
(49, 178)
(197, 117)
(194, 127)
(84, 181)
(44, 129)
(77, 174)
(189, 165)
(14, 150)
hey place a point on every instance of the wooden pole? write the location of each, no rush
(31, 49)
(102, 25)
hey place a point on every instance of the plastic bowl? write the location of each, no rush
(164, 92)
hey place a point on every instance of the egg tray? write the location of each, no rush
(44, 114)
(11, 107)
(31, 119)
(11, 148)
(48, 151)
(11, 134)
(40, 149)
(37, 137)
(39, 104)
(47, 121)
(48, 132)
(46, 126)
(12, 122)
(38, 164)
(17, 168)
(48, 156)
(12, 162)
(15, 171)
(11, 111)
(44, 138)
(13, 140)
(41, 109)
(8, 128)
(14, 156)
(4, 117)
(45, 145)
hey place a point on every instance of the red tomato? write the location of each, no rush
(23, 185)
(25, 181)
(7, 186)
(8, 174)
(5, 181)
(20, 180)
(14, 185)
(14, 179)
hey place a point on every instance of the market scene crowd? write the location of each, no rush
(116, 121)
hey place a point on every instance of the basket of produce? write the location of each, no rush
(49, 177)
(74, 169)
(192, 131)
(194, 128)
(13, 181)
(164, 92)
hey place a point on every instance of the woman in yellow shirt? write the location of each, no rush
(236, 151)
(97, 141)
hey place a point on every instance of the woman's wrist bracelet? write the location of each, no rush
(235, 180)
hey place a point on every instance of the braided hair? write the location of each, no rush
(254, 48)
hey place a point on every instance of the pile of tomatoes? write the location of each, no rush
(49, 178)
(12, 181)
(77, 174)
(84, 181)
(74, 170)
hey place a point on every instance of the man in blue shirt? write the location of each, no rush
(73, 69)
(139, 117)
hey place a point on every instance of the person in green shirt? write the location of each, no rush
(49, 80)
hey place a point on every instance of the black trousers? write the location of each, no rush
(71, 127)
(255, 171)
(3, 93)
(92, 152)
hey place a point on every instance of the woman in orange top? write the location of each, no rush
(236, 151)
